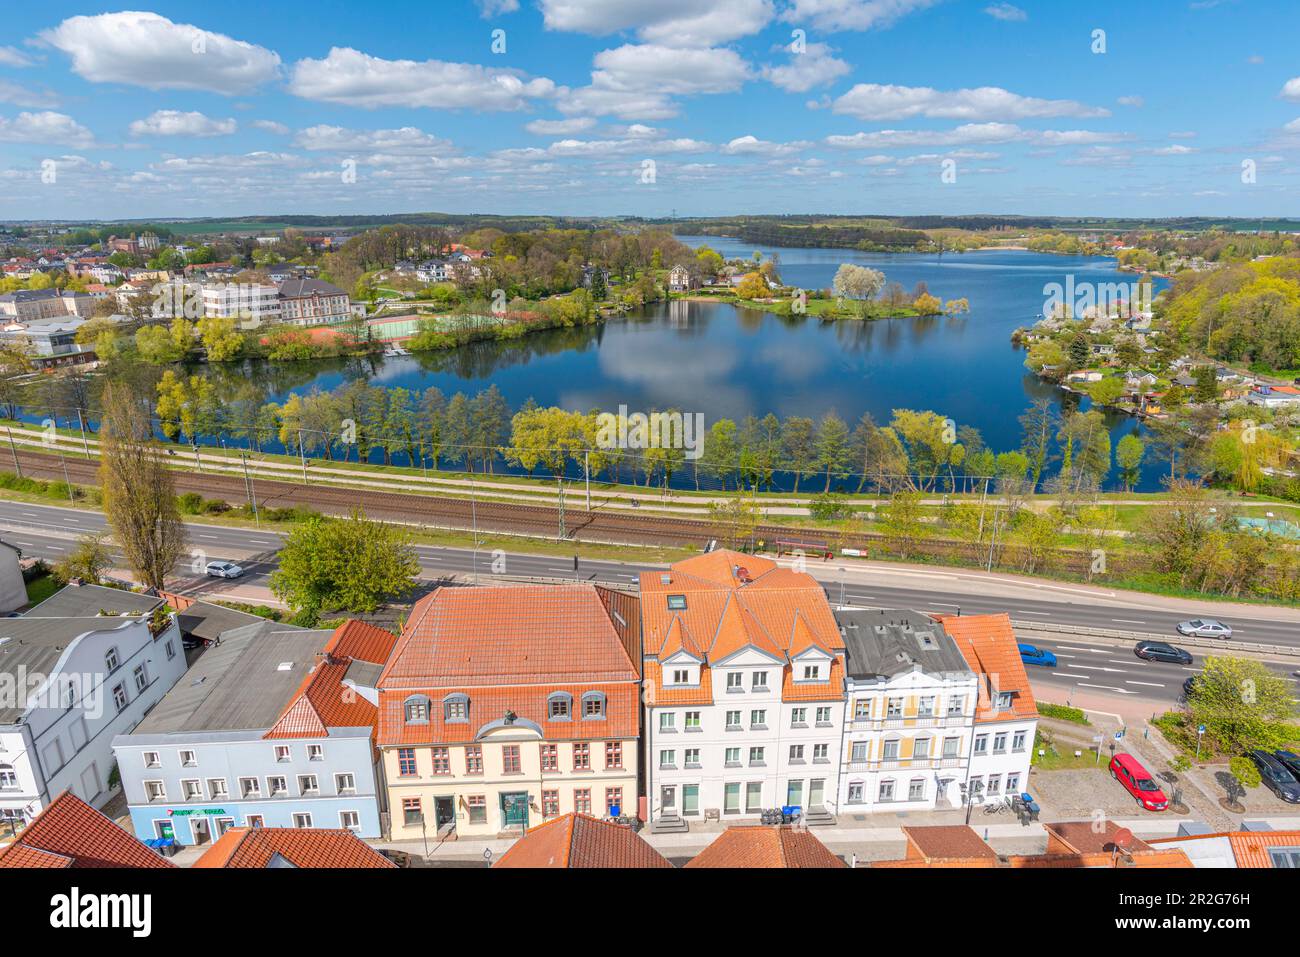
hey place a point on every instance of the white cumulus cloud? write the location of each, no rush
(354, 78)
(675, 23)
(176, 123)
(832, 15)
(875, 101)
(815, 66)
(148, 50)
(45, 127)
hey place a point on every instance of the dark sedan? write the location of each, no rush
(1291, 761)
(1276, 777)
(1159, 651)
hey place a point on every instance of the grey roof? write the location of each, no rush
(298, 288)
(203, 619)
(86, 601)
(882, 642)
(36, 644)
(238, 684)
(363, 674)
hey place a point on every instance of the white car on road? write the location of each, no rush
(223, 570)
(1204, 628)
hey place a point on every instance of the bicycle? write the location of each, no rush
(1001, 807)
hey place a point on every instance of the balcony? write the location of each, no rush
(906, 723)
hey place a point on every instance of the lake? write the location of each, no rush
(728, 362)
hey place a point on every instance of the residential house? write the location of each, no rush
(251, 303)
(274, 727)
(909, 727)
(1006, 715)
(34, 305)
(434, 270)
(744, 690)
(89, 663)
(1071, 844)
(759, 846)
(504, 705)
(71, 833)
(1255, 845)
(680, 279)
(1274, 396)
(581, 841)
(260, 848)
(313, 302)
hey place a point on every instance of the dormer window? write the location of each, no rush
(676, 602)
(417, 709)
(593, 706)
(560, 706)
(1004, 700)
(812, 672)
(681, 676)
(455, 708)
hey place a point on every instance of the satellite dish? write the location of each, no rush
(1124, 839)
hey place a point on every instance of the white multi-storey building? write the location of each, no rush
(82, 666)
(313, 302)
(910, 712)
(250, 303)
(744, 691)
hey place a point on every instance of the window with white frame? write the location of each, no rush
(189, 759)
(8, 778)
(692, 721)
(925, 708)
(735, 681)
(733, 720)
(886, 790)
(217, 789)
(278, 786)
(981, 744)
(920, 748)
(111, 660)
(821, 752)
(894, 708)
(999, 742)
(755, 756)
(691, 757)
(798, 717)
(1013, 783)
(315, 752)
(170, 649)
(119, 697)
(956, 705)
(249, 788)
(681, 676)
(812, 672)
(283, 754)
(859, 752)
(824, 715)
(855, 793)
(758, 718)
(190, 790)
(152, 759)
(861, 709)
(302, 820)
(951, 747)
(141, 678)
(890, 752)
(1018, 741)
(667, 758)
(796, 753)
(733, 757)
(155, 791)
(916, 789)
(350, 821)
(307, 784)
(995, 784)
(667, 721)
(758, 681)
(345, 782)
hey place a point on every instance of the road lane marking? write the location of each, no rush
(1067, 674)
(1043, 614)
(1108, 688)
(1149, 684)
(1128, 621)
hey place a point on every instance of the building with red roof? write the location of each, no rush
(744, 690)
(272, 847)
(71, 833)
(503, 706)
(758, 846)
(581, 841)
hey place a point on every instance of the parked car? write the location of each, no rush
(223, 570)
(1128, 771)
(1160, 651)
(1204, 628)
(1032, 655)
(1291, 761)
(1276, 777)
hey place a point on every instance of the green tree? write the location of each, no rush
(798, 446)
(89, 558)
(1128, 456)
(345, 564)
(832, 448)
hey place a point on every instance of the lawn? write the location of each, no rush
(39, 589)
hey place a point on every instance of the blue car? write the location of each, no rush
(1037, 656)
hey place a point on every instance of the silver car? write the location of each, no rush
(1204, 628)
(223, 570)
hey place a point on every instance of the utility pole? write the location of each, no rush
(586, 468)
(81, 422)
(14, 449)
(252, 494)
(473, 512)
(563, 531)
(67, 481)
(302, 457)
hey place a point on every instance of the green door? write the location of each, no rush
(514, 809)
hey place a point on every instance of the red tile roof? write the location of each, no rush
(71, 833)
(735, 601)
(989, 645)
(578, 840)
(322, 700)
(1249, 848)
(257, 847)
(940, 842)
(766, 846)
(509, 648)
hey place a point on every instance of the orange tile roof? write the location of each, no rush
(734, 601)
(322, 700)
(1249, 848)
(578, 840)
(766, 846)
(1081, 837)
(71, 833)
(511, 634)
(528, 702)
(660, 696)
(243, 847)
(1148, 858)
(988, 643)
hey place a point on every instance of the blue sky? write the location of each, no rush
(646, 107)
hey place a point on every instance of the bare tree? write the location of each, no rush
(139, 494)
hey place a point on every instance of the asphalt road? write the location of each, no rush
(50, 532)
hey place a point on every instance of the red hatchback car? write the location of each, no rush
(1126, 769)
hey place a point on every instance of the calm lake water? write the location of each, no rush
(728, 362)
